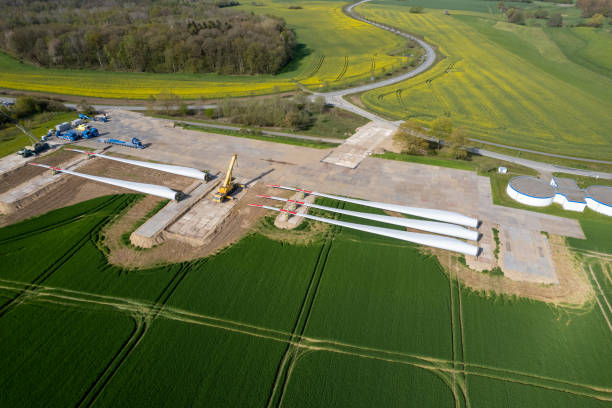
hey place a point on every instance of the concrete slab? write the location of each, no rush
(202, 219)
(149, 234)
(289, 221)
(360, 145)
(526, 256)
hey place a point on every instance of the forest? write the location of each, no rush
(162, 36)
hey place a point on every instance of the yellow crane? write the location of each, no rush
(226, 188)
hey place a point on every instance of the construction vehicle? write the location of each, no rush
(70, 135)
(227, 187)
(37, 147)
(89, 133)
(135, 143)
(84, 117)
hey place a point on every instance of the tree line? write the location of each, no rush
(145, 36)
(594, 10)
(298, 112)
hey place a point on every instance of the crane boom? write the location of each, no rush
(27, 132)
(22, 128)
(226, 188)
(228, 176)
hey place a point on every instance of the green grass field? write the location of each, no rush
(347, 320)
(539, 88)
(337, 51)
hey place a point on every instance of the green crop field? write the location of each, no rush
(540, 88)
(336, 51)
(349, 319)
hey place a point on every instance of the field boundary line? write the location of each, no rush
(453, 340)
(600, 289)
(144, 322)
(61, 259)
(605, 315)
(289, 357)
(425, 362)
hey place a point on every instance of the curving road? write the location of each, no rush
(336, 98)
(428, 60)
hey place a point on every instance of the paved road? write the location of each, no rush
(560, 156)
(336, 98)
(428, 60)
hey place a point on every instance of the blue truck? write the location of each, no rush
(135, 143)
(97, 118)
(69, 135)
(90, 133)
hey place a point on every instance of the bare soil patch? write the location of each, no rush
(75, 190)
(12, 179)
(572, 288)
(241, 220)
(355, 99)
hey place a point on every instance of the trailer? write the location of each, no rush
(62, 127)
(135, 143)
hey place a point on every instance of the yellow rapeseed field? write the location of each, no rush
(340, 51)
(503, 83)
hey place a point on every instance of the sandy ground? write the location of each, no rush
(572, 288)
(12, 179)
(241, 220)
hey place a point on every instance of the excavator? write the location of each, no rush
(37, 147)
(226, 188)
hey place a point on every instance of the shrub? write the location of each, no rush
(515, 16)
(556, 20)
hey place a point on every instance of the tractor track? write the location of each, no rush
(59, 262)
(344, 69)
(433, 364)
(142, 322)
(292, 351)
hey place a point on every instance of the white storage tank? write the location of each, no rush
(530, 191)
(599, 198)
